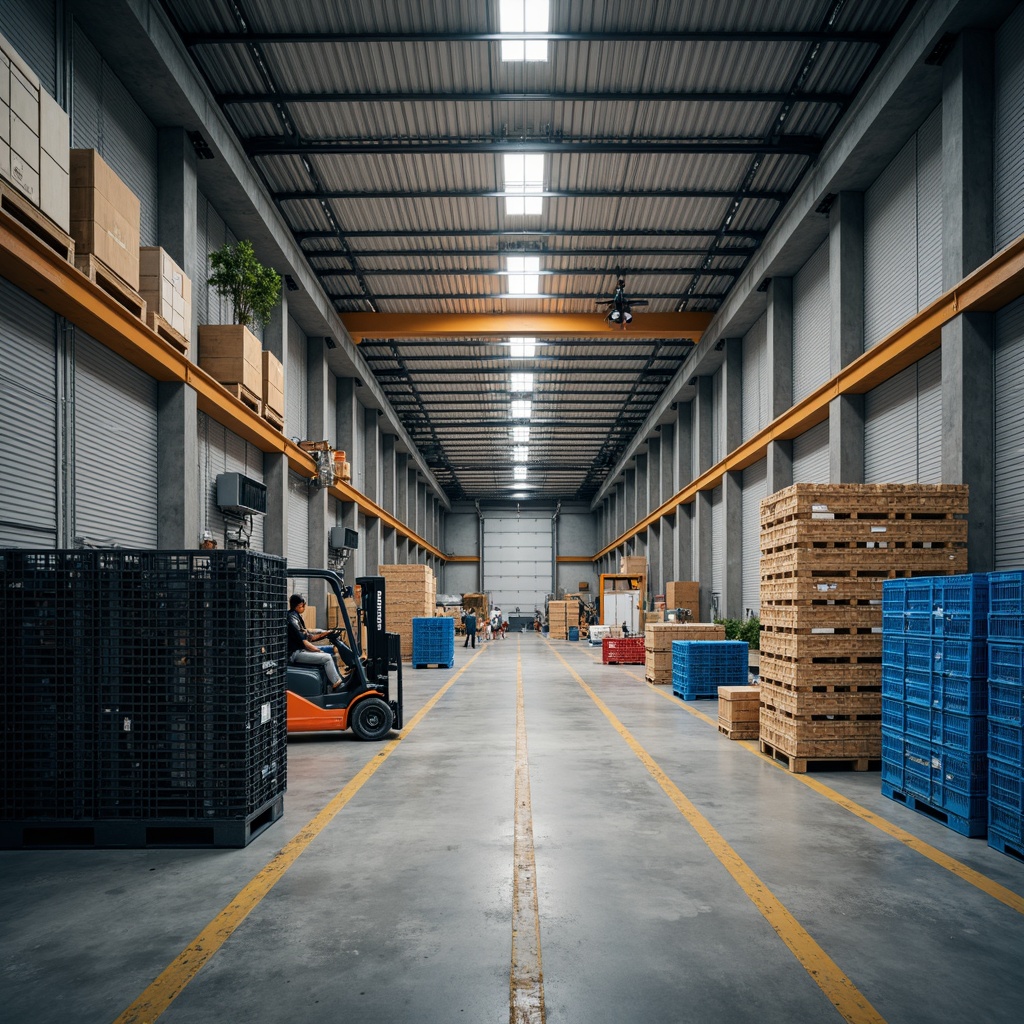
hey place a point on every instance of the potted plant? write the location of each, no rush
(232, 354)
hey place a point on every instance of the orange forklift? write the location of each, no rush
(363, 704)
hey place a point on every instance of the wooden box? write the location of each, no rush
(632, 565)
(273, 383)
(166, 289)
(232, 354)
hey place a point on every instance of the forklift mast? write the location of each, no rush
(373, 614)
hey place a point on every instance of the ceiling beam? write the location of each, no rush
(766, 195)
(527, 249)
(618, 232)
(483, 296)
(542, 272)
(539, 325)
(282, 145)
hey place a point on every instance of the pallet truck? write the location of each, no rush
(363, 703)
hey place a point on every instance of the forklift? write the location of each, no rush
(363, 703)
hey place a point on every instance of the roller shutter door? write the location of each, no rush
(929, 209)
(811, 324)
(32, 30)
(755, 391)
(1009, 440)
(1009, 131)
(221, 451)
(296, 399)
(517, 562)
(298, 520)
(30, 462)
(717, 418)
(755, 488)
(810, 455)
(890, 430)
(718, 541)
(929, 419)
(890, 242)
(201, 267)
(115, 449)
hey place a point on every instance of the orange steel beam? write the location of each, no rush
(536, 325)
(572, 558)
(36, 269)
(993, 285)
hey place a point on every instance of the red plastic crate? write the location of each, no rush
(623, 650)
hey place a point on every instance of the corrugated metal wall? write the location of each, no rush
(755, 488)
(221, 451)
(1009, 440)
(810, 455)
(1009, 131)
(296, 384)
(718, 542)
(718, 412)
(32, 30)
(31, 453)
(298, 520)
(811, 324)
(755, 369)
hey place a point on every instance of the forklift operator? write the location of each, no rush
(302, 650)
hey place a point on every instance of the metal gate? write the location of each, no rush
(517, 561)
(221, 451)
(298, 520)
(810, 455)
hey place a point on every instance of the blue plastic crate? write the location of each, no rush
(1006, 663)
(1006, 786)
(893, 683)
(1006, 627)
(1006, 702)
(894, 595)
(965, 658)
(965, 814)
(921, 654)
(1006, 592)
(894, 622)
(894, 650)
(699, 667)
(961, 605)
(920, 624)
(894, 714)
(919, 594)
(947, 693)
(892, 744)
(1006, 742)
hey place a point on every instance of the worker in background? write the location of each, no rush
(496, 623)
(303, 651)
(470, 628)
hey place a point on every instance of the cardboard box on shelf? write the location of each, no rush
(232, 354)
(273, 383)
(162, 283)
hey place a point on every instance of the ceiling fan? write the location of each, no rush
(620, 308)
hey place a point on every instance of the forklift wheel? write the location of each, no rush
(372, 719)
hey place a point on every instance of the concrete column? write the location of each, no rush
(275, 334)
(275, 525)
(401, 497)
(732, 395)
(684, 461)
(388, 499)
(779, 349)
(177, 460)
(632, 486)
(731, 601)
(371, 482)
(968, 342)
(177, 200)
(846, 333)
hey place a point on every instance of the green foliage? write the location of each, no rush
(743, 629)
(253, 289)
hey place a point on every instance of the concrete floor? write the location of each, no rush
(400, 909)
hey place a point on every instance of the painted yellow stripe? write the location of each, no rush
(155, 1000)
(526, 985)
(991, 888)
(834, 983)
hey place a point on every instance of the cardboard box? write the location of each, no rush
(631, 565)
(24, 99)
(55, 192)
(232, 354)
(16, 63)
(162, 283)
(273, 382)
(54, 130)
(24, 178)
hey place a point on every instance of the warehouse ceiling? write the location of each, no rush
(431, 160)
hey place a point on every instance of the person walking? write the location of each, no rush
(470, 628)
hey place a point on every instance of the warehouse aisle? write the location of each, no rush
(679, 877)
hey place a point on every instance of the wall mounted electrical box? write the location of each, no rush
(342, 537)
(241, 494)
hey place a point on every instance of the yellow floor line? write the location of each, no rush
(155, 1000)
(526, 985)
(851, 1003)
(991, 888)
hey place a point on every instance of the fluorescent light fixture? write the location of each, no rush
(519, 472)
(520, 435)
(521, 409)
(522, 382)
(524, 16)
(523, 275)
(521, 453)
(524, 180)
(522, 348)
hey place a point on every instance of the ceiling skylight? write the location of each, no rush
(523, 275)
(522, 382)
(519, 472)
(521, 453)
(524, 16)
(522, 348)
(521, 408)
(520, 435)
(524, 181)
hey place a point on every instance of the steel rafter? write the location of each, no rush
(742, 252)
(765, 195)
(543, 272)
(618, 232)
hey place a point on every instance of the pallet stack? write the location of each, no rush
(410, 592)
(739, 712)
(825, 550)
(683, 594)
(1006, 712)
(167, 291)
(562, 615)
(658, 637)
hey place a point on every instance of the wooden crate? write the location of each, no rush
(827, 616)
(809, 701)
(232, 354)
(15, 205)
(808, 588)
(826, 738)
(856, 533)
(881, 563)
(829, 646)
(103, 277)
(658, 636)
(792, 672)
(804, 500)
(273, 384)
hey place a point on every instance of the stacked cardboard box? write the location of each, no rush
(633, 565)
(825, 550)
(738, 711)
(683, 594)
(232, 355)
(34, 139)
(167, 291)
(105, 217)
(562, 615)
(658, 637)
(272, 391)
(410, 593)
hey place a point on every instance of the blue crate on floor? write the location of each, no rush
(1011, 847)
(893, 682)
(961, 605)
(974, 824)
(894, 650)
(1006, 702)
(1006, 592)
(699, 667)
(967, 659)
(967, 733)
(947, 693)
(1006, 662)
(433, 641)
(1006, 787)
(1006, 627)
(1006, 742)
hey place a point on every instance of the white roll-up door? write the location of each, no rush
(517, 561)
(929, 209)
(1009, 131)
(718, 542)
(106, 118)
(755, 488)
(810, 455)
(298, 520)
(296, 383)
(890, 244)
(1009, 439)
(811, 324)
(929, 419)
(755, 391)
(30, 462)
(115, 449)
(221, 451)
(890, 430)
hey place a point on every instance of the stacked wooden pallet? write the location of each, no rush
(738, 711)
(658, 637)
(562, 615)
(825, 550)
(410, 593)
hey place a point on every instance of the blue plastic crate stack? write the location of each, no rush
(433, 642)
(700, 667)
(935, 698)
(1006, 712)
(144, 697)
